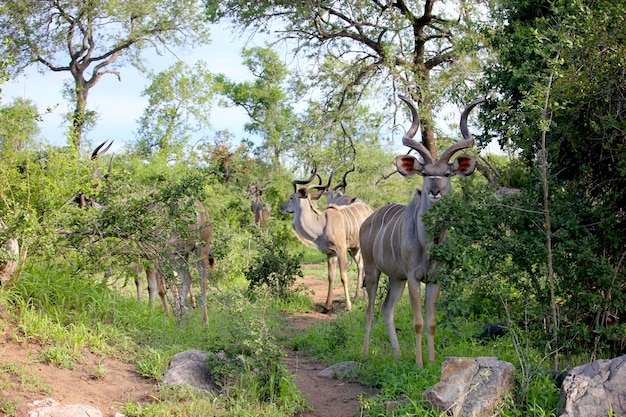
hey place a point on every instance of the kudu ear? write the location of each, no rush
(408, 165)
(463, 165)
(317, 194)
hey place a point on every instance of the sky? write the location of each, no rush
(119, 103)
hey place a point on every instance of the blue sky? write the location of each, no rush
(120, 103)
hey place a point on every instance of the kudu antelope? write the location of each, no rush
(178, 253)
(394, 240)
(260, 208)
(338, 194)
(199, 244)
(333, 231)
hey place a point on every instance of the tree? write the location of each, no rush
(559, 93)
(179, 104)
(364, 45)
(18, 125)
(90, 39)
(266, 100)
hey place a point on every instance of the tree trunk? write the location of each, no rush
(78, 117)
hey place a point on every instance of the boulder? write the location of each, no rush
(339, 370)
(591, 390)
(191, 368)
(471, 387)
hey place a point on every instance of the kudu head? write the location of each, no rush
(338, 195)
(437, 173)
(255, 192)
(304, 192)
(84, 201)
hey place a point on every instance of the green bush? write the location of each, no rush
(495, 264)
(274, 268)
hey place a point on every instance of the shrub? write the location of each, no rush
(274, 268)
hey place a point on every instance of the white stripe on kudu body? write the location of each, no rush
(394, 240)
(333, 231)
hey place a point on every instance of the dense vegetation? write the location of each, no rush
(548, 258)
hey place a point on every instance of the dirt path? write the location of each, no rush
(120, 383)
(327, 397)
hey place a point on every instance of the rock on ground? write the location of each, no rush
(591, 390)
(190, 367)
(471, 386)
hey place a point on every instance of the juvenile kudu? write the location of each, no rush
(196, 246)
(177, 251)
(334, 231)
(394, 240)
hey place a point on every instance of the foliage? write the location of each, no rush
(19, 125)
(582, 43)
(494, 264)
(556, 79)
(360, 50)
(267, 100)
(274, 268)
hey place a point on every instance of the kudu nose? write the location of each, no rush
(434, 194)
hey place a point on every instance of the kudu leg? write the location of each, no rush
(330, 263)
(138, 280)
(202, 272)
(160, 279)
(395, 289)
(371, 288)
(153, 287)
(415, 295)
(343, 273)
(185, 277)
(358, 260)
(431, 297)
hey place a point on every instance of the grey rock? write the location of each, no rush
(73, 410)
(190, 367)
(339, 370)
(592, 389)
(471, 387)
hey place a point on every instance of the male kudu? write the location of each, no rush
(338, 194)
(394, 240)
(333, 231)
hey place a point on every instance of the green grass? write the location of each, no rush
(15, 376)
(68, 315)
(400, 381)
